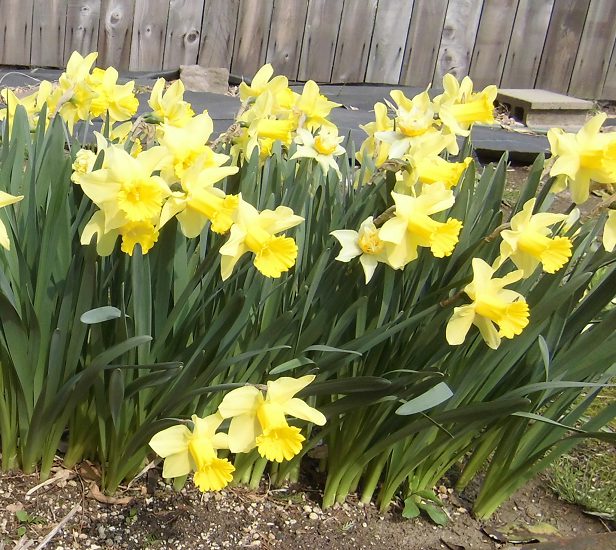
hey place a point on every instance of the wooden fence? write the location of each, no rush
(560, 45)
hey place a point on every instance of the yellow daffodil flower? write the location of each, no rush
(117, 100)
(32, 103)
(313, 107)
(169, 106)
(188, 451)
(262, 81)
(528, 243)
(371, 147)
(255, 232)
(432, 169)
(6, 200)
(492, 305)
(609, 231)
(322, 148)
(364, 243)
(412, 226)
(584, 157)
(84, 162)
(258, 421)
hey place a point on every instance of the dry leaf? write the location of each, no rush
(12, 508)
(96, 494)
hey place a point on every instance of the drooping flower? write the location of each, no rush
(256, 232)
(322, 148)
(188, 451)
(169, 107)
(5, 200)
(529, 243)
(492, 305)
(258, 421)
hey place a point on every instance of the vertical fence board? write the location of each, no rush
(561, 45)
(149, 31)
(593, 56)
(115, 32)
(391, 30)
(319, 44)
(530, 29)
(218, 33)
(251, 36)
(82, 21)
(423, 42)
(459, 33)
(492, 41)
(356, 26)
(16, 32)
(183, 32)
(285, 38)
(48, 29)
(609, 86)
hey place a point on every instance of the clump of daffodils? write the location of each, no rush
(256, 420)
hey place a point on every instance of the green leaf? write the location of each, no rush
(22, 516)
(292, 364)
(100, 315)
(411, 510)
(116, 395)
(433, 397)
(437, 514)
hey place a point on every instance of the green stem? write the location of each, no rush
(373, 477)
(257, 472)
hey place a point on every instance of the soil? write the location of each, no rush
(152, 515)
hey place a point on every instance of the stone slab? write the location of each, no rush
(201, 79)
(542, 100)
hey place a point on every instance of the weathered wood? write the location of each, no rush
(356, 27)
(149, 31)
(526, 45)
(15, 32)
(609, 86)
(251, 36)
(115, 33)
(391, 28)
(319, 44)
(492, 41)
(561, 45)
(48, 29)
(285, 38)
(423, 42)
(459, 33)
(218, 33)
(593, 56)
(183, 33)
(82, 21)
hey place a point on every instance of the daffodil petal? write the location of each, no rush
(300, 409)
(282, 390)
(171, 441)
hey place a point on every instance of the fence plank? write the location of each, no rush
(492, 41)
(459, 33)
(251, 37)
(115, 32)
(218, 33)
(48, 29)
(183, 32)
(16, 32)
(423, 42)
(609, 86)
(356, 27)
(149, 31)
(530, 29)
(319, 44)
(593, 55)
(561, 45)
(82, 21)
(391, 30)
(285, 39)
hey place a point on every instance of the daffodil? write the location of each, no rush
(322, 148)
(84, 162)
(256, 232)
(261, 82)
(584, 157)
(371, 147)
(364, 243)
(432, 169)
(188, 451)
(529, 243)
(313, 107)
(117, 100)
(6, 200)
(412, 227)
(609, 231)
(32, 103)
(492, 305)
(258, 421)
(169, 107)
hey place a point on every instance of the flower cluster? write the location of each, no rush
(256, 421)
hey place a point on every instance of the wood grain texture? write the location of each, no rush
(423, 42)
(593, 56)
(285, 37)
(561, 45)
(82, 22)
(252, 33)
(15, 31)
(48, 31)
(320, 36)
(609, 86)
(526, 45)
(391, 30)
(354, 39)
(493, 36)
(149, 32)
(458, 39)
(218, 33)
(115, 33)
(183, 33)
